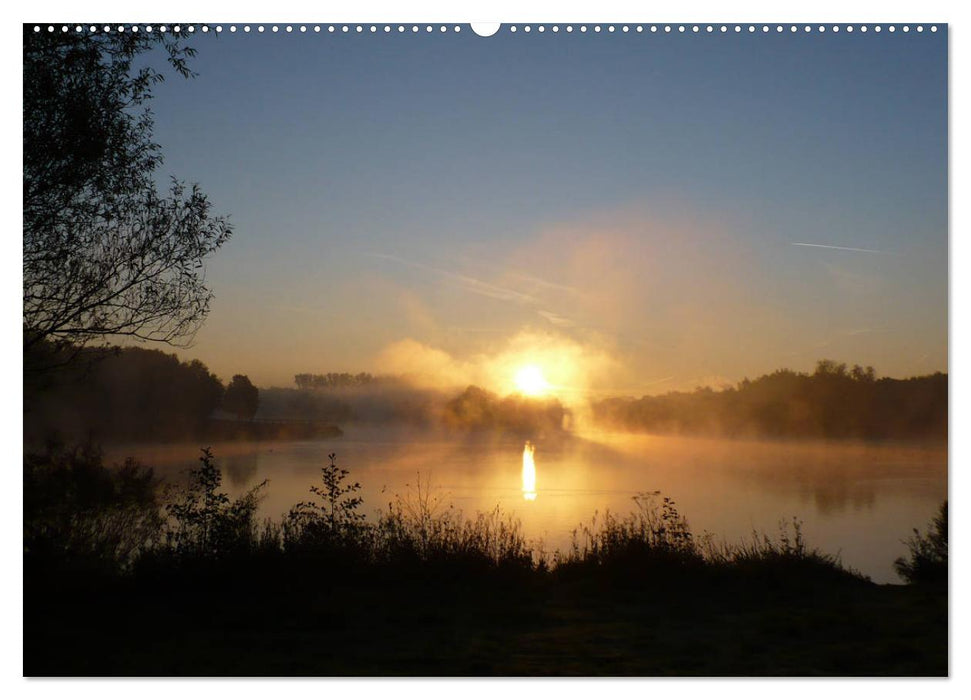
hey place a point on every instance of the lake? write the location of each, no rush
(859, 500)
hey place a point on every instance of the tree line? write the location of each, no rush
(834, 401)
(130, 393)
(340, 380)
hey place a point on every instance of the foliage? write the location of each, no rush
(832, 402)
(340, 380)
(476, 408)
(654, 535)
(927, 562)
(241, 398)
(331, 524)
(418, 534)
(123, 394)
(104, 253)
(79, 514)
(205, 522)
(419, 529)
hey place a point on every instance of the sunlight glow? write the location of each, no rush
(529, 473)
(530, 381)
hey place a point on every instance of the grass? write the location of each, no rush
(426, 590)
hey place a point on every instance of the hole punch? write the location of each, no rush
(485, 29)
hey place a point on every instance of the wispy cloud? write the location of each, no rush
(556, 319)
(841, 247)
(487, 289)
(547, 284)
(470, 284)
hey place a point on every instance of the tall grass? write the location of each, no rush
(416, 533)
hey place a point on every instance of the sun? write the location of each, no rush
(530, 381)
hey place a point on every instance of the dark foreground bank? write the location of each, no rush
(245, 625)
(120, 580)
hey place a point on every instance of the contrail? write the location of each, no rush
(840, 247)
(470, 284)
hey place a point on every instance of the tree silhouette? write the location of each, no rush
(241, 397)
(104, 252)
(927, 562)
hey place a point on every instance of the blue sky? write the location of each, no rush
(636, 197)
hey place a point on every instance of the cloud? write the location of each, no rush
(556, 319)
(469, 284)
(844, 248)
(572, 368)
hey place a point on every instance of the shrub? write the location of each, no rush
(419, 529)
(332, 525)
(654, 535)
(928, 553)
(80, 514)
(785, 561)
(204, 522)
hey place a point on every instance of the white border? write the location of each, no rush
(519, 11)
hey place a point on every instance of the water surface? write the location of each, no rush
(858, 500)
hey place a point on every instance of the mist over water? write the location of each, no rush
(857, 499)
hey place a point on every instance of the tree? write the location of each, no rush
(331, 523)
(105, 254)
(206, 522)
(241, 398)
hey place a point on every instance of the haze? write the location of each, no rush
(634, 214)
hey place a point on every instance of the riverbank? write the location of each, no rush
(247, 625)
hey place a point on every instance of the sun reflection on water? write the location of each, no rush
(529, 473)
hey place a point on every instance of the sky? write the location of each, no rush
(636, 213)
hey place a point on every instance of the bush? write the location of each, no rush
(205, 523)
(418, 529)
(927, 563)
(654, 537)
(79, 514)
(331, 527)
